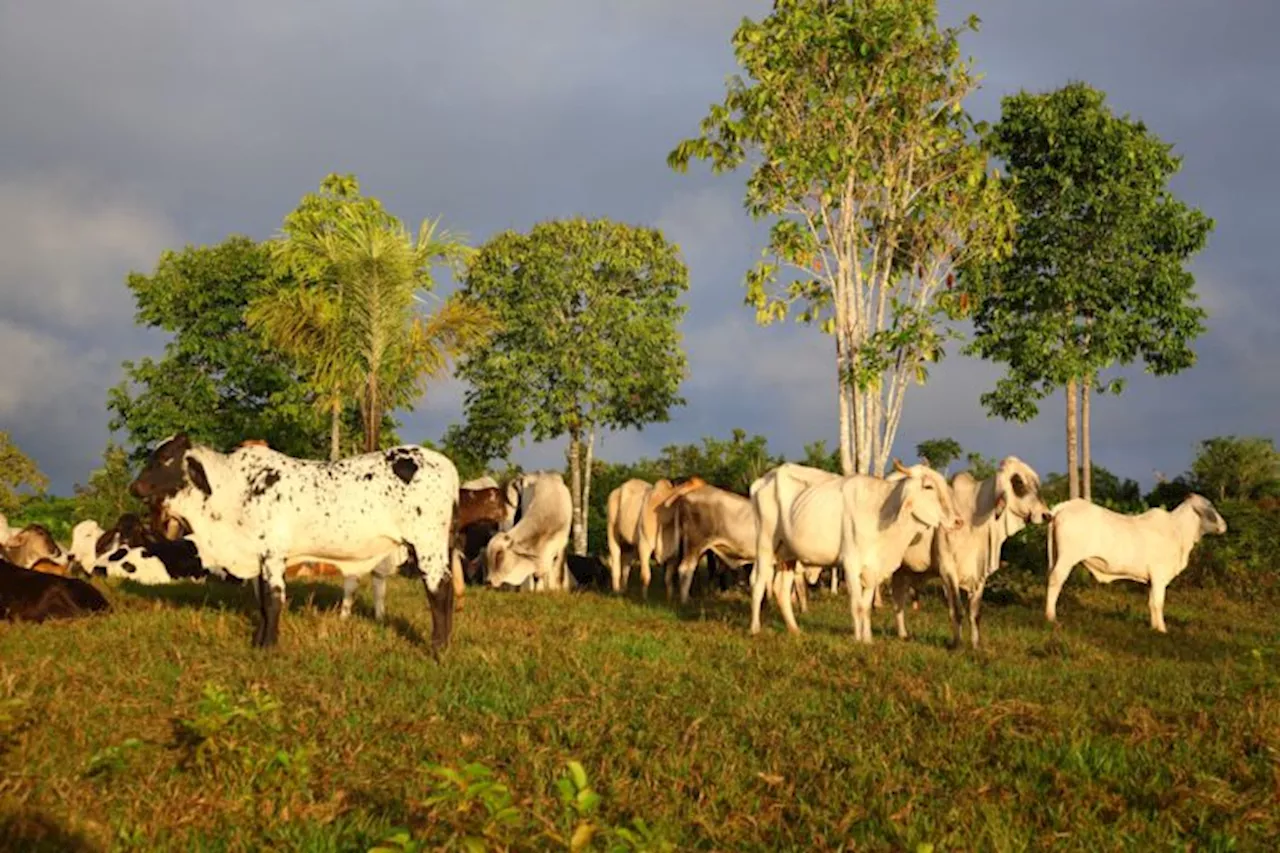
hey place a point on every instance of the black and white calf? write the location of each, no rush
(255, 510)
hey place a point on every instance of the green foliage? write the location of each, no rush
(588, 312)
(1108, 490)
(981, 467)
(1097, 277)
(1237, 468)
(107, 497)
(216, 381)
(19, 475)
(346, 310)
(851, 119)
(479, 813)
(453, 445)
(816, 455)
(57, 514)
(1241, 562)
(940, 452)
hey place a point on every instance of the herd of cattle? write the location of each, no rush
(258, 515)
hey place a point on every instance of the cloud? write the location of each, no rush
(147, 126)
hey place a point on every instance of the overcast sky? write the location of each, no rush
(128, 128)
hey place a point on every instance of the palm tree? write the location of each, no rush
(352, 318)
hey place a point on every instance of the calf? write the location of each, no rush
(27, 596)
(255, 510)
(30, 545)
(1151, 548)
(715, 520)
(534, 547)
(588, 572)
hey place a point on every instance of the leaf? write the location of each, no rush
(579, 774)
(582, 836)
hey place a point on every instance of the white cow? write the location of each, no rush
(133, 564)
(993, 510)
(84, 540)
(861, 523)
(533, 549)
(641, 524)
(485, 482)
(255, 510)
(1151, 548)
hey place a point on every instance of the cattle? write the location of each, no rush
(482, 512)
(135, 564)
(711, 519)
(485, 482)
(588, 572)
(84, 540)
(32, 544)
(862, 523)
(641, 524)
(255, 510)
(534, 548)
(993, 510)
(27, 596)
(1152, 547)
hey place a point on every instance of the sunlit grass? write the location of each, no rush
(158, 727)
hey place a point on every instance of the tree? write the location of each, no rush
(939, 452)
(864, 158)
(816, 455)
(18, 474)
(350, 318)
(1230, 467)
(981, 467)
(217, 381)
(1097, 278)
(731, 465)
(588, 312)
(106, 497)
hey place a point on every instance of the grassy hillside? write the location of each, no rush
(158, 728)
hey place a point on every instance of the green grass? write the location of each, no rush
(157, 727)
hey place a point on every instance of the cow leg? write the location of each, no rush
(802, 588)
(975, 614)
(835, 579)
(645, 574)
(1057, 577)
(1156, 604)
(853, 581)
(349, 585)
(952, 591)
(615, 563)
(687, 569)
(380, 596)
(761, 582)
(456, 576)
(786, 586)
(272, 600)
(901, 585)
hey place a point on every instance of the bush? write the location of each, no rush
(56, 514)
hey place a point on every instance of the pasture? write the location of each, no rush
(158, 727)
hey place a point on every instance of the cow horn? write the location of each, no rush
(899, 467)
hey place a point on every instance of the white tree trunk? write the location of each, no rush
(580, 542)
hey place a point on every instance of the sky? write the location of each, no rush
(130, 128)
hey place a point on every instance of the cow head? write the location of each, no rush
(926, 495)
(504, 564)
(170, 469)
(1210, 520)
(1018, 493)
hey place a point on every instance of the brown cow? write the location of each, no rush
(27, 596)
(481, 514)
(30, 545)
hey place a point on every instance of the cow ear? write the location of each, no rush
(198, 478)
(1019, 486)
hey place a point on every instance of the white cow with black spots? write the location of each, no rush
(255, 511)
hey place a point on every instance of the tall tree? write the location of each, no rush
(19, 474)
(862, 155)
(1097, 278)
(940, 452)
(731, 464)
(351, 317)
(106, 496)
(217, 380)
(1231, 467)
(588, 341)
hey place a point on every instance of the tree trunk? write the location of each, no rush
(575, 486)
(335, 430)
(1086, 452)
(1073, 462)
(846, 412)
(580, 542)
(373, 417)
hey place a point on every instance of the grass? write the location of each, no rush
(157, 727)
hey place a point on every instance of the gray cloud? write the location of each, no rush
(150, 125)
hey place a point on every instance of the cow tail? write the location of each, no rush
(1049, 542)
